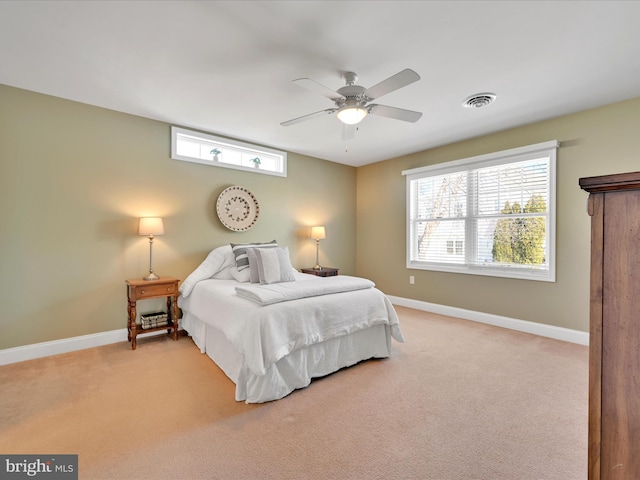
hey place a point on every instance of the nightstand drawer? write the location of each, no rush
(148, 291)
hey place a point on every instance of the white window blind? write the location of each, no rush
(488, 215)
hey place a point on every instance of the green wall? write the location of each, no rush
(74, 179)
(593, 142)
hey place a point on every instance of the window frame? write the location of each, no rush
(515, 155)
(239, 147)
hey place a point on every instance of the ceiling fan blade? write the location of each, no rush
(394, 112)
(348, 131)
(316, 87)
(399, 80)
(328, 111)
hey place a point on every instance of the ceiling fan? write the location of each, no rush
(352, 101)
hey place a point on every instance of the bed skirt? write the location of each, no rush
(295, 370)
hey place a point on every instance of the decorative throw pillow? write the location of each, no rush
(274, 265)
(254, 276)
(240, 252)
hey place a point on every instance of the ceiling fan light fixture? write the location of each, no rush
(351, 115)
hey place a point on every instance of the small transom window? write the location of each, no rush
(206, 149)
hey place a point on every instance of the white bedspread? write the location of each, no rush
(265, 334)
(311, 287)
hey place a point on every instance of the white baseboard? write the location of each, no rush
(55, 347)
(551, 331)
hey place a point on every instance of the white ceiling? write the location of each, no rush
(227, 67)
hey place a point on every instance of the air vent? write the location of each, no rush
(479, 100)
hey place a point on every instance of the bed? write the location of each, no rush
(272, 333)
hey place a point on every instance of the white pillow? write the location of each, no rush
(242, 276)
(218, 259)
(274, 265)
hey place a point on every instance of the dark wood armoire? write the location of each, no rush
(614, 358)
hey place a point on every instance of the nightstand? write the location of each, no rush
(323, 272)
(138, 289)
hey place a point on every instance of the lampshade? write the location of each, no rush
(318, 233)
(151, 226)
(351, 115)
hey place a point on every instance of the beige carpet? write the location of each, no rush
(458, 400)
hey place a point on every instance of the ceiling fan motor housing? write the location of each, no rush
(353, 96)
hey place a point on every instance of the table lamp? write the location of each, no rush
(319, 234)
(150, 226)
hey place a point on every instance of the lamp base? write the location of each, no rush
(317, 267)
(151, 276)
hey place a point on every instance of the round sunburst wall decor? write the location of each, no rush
(237, 208)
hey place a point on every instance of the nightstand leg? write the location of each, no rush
(172, 306)
(175, 316)
(169, 314)
(129, 321)
(132, 324)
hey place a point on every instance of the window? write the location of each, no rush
(197, 147)
(454, 247)
(488, 215)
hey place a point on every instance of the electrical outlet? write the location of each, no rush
(412, 279)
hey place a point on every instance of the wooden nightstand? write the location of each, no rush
(323, 272)
(138, 289)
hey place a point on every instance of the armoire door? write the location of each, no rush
(620, 387)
